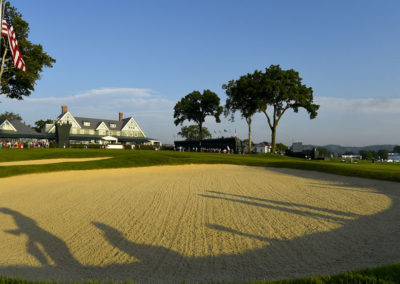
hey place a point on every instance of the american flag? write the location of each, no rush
(8, 30)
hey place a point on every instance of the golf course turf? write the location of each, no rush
(129, 159)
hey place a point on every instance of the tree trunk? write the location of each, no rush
(248, 120)
(273, 138)
(273, 130)
(200, 134)
(2, 64)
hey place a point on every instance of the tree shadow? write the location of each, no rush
(325, 210)
(299, 212)
(239, 233)
(331, 178)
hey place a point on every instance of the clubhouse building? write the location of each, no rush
(67, 129)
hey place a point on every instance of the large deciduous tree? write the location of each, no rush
(196, 107)
(280, 90)
(242, 97)
(192, 132)
(15, 83)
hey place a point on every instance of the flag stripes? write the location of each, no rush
(4, 28)
(16, 54)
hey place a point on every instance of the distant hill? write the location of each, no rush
(337, 149)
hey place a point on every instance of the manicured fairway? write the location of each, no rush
(194, 223)
(128, 158)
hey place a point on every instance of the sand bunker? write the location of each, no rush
(194, 223)
(50, 161)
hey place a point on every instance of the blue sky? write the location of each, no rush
(141, 57)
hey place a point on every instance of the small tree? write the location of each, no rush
(375, 154)
(247, 145)
(366, 155)
(280, 147)
(282, 90)
(196, 107)
(10, 115)
(15, 83)
(192, 132)
(383, 154)
(323, 152)
(242, 95)
(40, 124)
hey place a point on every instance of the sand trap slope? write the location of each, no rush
(50, 161)
(194, 223)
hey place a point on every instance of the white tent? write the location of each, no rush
(109, 138)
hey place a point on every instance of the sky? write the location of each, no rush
(141, 57)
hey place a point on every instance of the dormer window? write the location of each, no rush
(113, 125)
(86, 123)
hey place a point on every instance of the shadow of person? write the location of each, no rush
(54, 247)
(146, 254)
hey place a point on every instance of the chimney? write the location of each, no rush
(64, 109)
(121, 116)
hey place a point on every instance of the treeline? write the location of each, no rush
(376, 155)
(382, 154)
(271, 92)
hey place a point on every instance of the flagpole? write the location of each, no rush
(2, 7)
(1, 19)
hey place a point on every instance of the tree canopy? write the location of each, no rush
(40, 124)
(281, 90)
(383, 154)
(192, 132)
(196, 107)
(10, 115)
(15, 83)
(280, 147)
(242, 97)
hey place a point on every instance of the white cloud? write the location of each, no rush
(364, 105)
(97, 94)
(97, 102)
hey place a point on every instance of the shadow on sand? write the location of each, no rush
(364, 242)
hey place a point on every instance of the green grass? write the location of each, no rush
(141, 158)
(381, 275)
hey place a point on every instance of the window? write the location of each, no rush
(82, 131)
(73, 130)
(113, 125)
(91, 132)
(86, 123)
